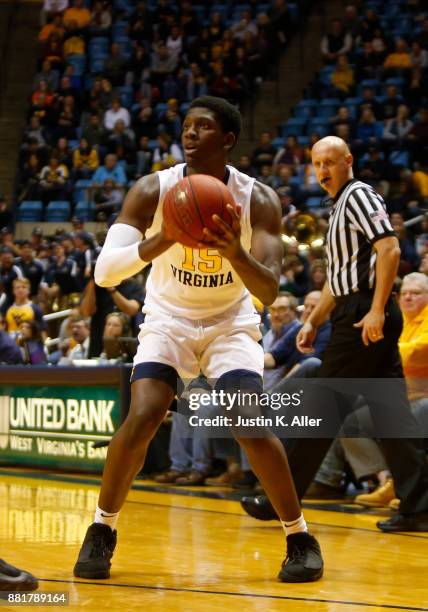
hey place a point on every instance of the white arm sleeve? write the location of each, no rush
(119, 257)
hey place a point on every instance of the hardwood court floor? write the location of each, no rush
(195, 553)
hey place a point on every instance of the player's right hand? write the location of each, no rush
(305, 338)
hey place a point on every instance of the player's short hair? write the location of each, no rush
(227, 115)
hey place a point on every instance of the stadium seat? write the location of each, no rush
(30, 211)
(399, 158)
(57, 211)
(293, 127)
(313, 202)
(80, 191)
(84, 210)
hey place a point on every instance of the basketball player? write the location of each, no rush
(191, 327)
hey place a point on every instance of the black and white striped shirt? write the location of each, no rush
(357, 220)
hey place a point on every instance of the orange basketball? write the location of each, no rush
(189, 205)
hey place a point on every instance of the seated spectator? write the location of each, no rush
(94, 133)
(145, 122)
(28, 179)
(174, 41)
(116, 326)
(79, 14)
(264, 153)
(283, 321)
(9, 351)
(418, 56)
(267, 176)
(56, 25)
(53, 181)
(30, 267)
(366, 62)
(115, 113)
(53, 50)
(336, 42)
(35, 133)
(166, 154)
(343, 118)
(342, 77)
(68, 118)
(48, 75)
(369, 101)
(280, 23)
(292, 154)
(8, 273)
(144, 157)
(31, 344)
(6, 215)
(63, 153)
(418, 137)
(244, 25)
(285, 351)
(196, 82)
(375, 168)
(22, 309)
(415, 90)
(115, 66)
(85, 160)
(389, 106)
(74, 43)
(367, 131)
(396, 130)
(244, 165)
(98, 302)
(409, 260)
(108, 200)
(317, 275)
(101, 18)
(42, 96)
(163, 62)
(110, 170)
(122, 138)
(80, 335)
(60, 277)
(399, 58)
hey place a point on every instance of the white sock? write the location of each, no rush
(296, 526)
(106, 518)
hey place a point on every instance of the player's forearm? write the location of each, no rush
(258, 278)
(321, 312)
(386, 271)
(125, 253)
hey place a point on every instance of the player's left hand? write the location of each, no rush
(372, 326)
(227, 240)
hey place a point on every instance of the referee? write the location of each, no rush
(363, 256)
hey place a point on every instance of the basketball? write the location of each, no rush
(189, 205)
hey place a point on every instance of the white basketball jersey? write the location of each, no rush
(198, 283)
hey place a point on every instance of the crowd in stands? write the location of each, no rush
(114, 80)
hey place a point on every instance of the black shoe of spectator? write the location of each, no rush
(14, 579)
(248, 481)
(405, 522)
(303, 562)
(259, 507)
(318, 490)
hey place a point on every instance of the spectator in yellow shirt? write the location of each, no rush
(85, 160)
(77, 13)
(342, 77)
(400, 58)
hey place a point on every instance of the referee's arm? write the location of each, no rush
(388, 258)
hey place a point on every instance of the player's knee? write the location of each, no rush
(142, 424)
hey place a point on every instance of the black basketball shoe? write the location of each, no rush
(96, 552)
(14, 579)
(303, 562)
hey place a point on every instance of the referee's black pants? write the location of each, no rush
(347, 357)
